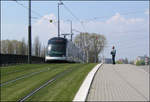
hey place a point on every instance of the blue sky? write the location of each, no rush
(84, 10)
(124, 23)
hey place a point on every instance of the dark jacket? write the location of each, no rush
(113, 52)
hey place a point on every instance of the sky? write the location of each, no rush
(125, 24)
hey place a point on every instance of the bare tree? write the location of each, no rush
(4, 46)
(37, 46)
(92, 44)
(43, 51)
(15, 45)
(22, 47)
(10, 47)
(82, 41)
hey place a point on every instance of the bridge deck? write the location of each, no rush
(120, 83)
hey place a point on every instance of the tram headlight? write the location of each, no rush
(49, 47)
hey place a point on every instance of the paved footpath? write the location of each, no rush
(119, 83)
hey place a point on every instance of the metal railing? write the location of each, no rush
(8, 59)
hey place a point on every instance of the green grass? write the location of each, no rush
(14, 68)
(18, 89)
(140, 62)
(14, 72)
(63, 89)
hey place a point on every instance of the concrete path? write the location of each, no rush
(120, 83)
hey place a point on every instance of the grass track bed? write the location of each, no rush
(10, 74)
(18, 89)
(63, 89)
(16, 68)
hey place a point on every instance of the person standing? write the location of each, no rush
(113, 53)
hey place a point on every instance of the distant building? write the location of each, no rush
(141, 58)
(144, 58)
(147, 61)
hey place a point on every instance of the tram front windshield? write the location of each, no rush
(57, 49)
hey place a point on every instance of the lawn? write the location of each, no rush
(62, 89)
(13, 72)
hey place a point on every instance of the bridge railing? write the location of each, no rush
(7, 59)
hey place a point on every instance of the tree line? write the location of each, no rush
(91, 43)
(21, 47)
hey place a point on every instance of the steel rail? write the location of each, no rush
(45, 84)
(22, 77)
(19, 70)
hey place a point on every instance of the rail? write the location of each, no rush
(59, 75)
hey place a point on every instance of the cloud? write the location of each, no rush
(44, 29)
(46, 18)
(118, 19)
(119, 31)
(116, 23)
(123, 33)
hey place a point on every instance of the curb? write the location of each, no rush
(84, 89)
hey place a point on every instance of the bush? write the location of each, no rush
(141, 62)
(119, 62)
